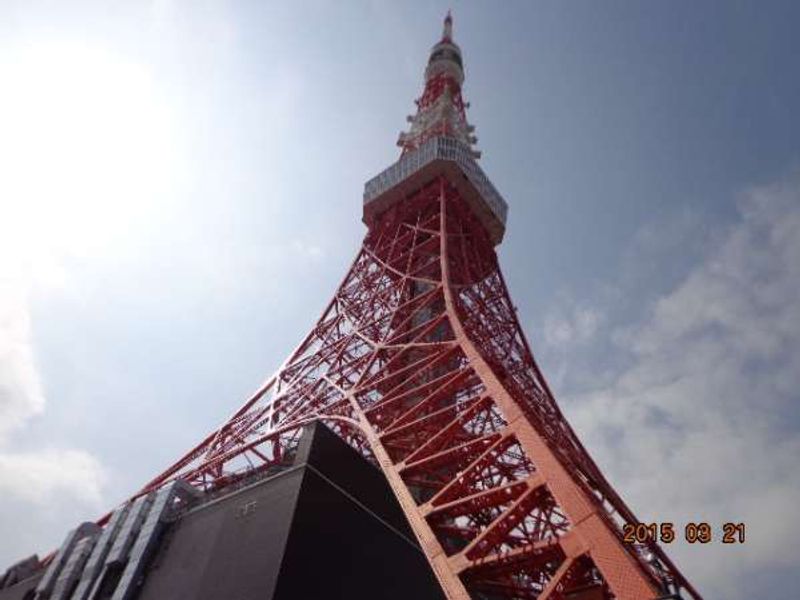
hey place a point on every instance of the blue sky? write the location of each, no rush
(180, 189)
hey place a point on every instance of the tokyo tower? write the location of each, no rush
(420, 364)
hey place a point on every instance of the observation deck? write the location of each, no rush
(438, 156)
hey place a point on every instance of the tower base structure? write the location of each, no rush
(326, 525)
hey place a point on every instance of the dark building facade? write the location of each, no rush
(327, 525)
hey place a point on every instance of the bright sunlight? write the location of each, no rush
(86, 152)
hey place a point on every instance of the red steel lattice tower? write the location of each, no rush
(419, 362)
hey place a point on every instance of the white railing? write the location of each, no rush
(438, 148)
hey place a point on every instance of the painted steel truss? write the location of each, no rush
(419, 362)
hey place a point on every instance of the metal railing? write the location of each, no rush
(438, 148)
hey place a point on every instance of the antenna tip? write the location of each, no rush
(447, 32)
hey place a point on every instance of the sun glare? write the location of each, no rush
(86, 150)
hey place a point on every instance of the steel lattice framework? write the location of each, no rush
(419, 362)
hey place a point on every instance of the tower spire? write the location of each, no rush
(447, 31)
(441, 110)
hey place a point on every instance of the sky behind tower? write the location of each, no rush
(180, 188)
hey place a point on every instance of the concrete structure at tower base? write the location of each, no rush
(327, 525)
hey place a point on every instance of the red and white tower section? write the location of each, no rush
(441, 111)
(420, 363)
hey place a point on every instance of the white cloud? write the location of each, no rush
(41, 221)
(42, 476)
(307, 250)
(65, 484)
(20, 389)
(88, 156)
(571, 324)
(703, 425)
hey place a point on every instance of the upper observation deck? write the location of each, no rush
(438, 155)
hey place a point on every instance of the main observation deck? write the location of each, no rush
(438, 156)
